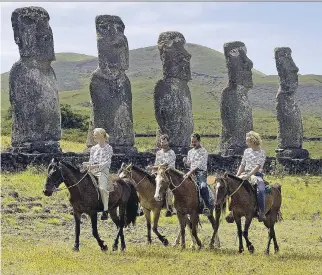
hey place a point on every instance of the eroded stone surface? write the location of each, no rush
(172, 98)
(235, 107)
(33, 88)
(110, 88)
(290, 127)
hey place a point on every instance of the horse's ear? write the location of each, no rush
(122, 165)
(225, 175)
(55, 161)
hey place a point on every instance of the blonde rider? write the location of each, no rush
(99, 165)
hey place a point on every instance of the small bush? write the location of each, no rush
(72, 120)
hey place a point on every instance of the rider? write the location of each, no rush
(166, 156)
(197, 161)
(99, 165)
(251, 169)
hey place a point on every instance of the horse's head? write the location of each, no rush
(162, 182)
(54, 177)
(221, 190)
(125, 171)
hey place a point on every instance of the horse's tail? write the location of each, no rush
(132, 206)
(279, 213)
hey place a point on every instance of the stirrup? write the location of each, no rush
(206, 211)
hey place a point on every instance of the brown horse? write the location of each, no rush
(145, 185)
(85, 198)
(244, 204)
(185, 201)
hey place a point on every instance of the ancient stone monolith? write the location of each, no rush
(172, 98)
(290, 127)
(110, 88)
(235, 107)
(33, 89)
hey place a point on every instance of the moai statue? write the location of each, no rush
(172, 98)
(235, 107)
(290, 128)
(110, 88)
(90, 138)
(33, 88)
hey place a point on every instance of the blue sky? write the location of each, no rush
(261, 26)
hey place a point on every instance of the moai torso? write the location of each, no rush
(33, 86)
(172, 98)
(236, 110)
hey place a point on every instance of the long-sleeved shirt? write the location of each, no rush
(198, 158)
(252, 158)
(168, 157)
(101, 155)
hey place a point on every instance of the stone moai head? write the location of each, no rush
(175, 59)
(112, 45)
(238, 64)
(286, 68)
(33, 34)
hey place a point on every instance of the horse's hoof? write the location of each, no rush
(115, 247)
(183, 247)
(211, 246)
(266, 252)
(251, 248)
(104, 248)
(277, 249)
(165, 242)
(175, 244)
(241, 250)
(200, 246)
(123, 249)
(76, 249)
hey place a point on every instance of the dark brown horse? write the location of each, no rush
(185, 201)
(145, 185)
(85, 198)
(244, 204)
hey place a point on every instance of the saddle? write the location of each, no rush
(201, 203)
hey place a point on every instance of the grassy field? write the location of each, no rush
(38, 234)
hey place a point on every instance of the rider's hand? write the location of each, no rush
(244, 177)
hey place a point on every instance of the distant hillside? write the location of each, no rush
(209, 76)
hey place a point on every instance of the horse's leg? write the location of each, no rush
(276, 247)
(95, 232)
(122, 222)
(177, 240)
(147, 214)
(77, 218)
(240, 233)
(194, 220)
(193, 240)
(182, 220)
(156, 216)
(250, 247)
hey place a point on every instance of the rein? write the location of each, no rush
(175, 186)
(61, 174)
(130, 172)
(229, 196)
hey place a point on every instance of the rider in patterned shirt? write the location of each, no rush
(251, 169)
(197, 161)
(166, 156)
(99, 165)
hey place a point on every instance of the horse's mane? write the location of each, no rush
(71, 167)
(178, 172)
(247, 185)
(138, 169)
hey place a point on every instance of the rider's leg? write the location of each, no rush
(261, 198)
(103, 188)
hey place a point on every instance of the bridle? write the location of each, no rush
(169, 179)
(63, 180)
(129, 171)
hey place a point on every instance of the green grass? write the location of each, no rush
(40, 242)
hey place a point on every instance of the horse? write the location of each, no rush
(85, 198)
(244, 204)
(185, 202)
(145, 185)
